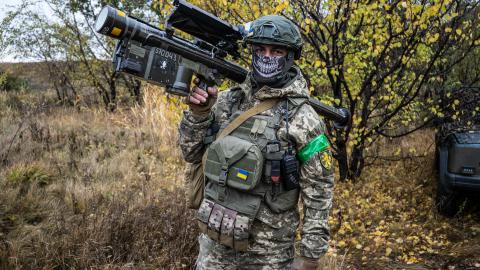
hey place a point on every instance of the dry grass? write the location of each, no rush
(83, 188)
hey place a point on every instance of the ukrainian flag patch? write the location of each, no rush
(242, 174)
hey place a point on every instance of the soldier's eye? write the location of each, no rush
(279, 52)
(259, 50)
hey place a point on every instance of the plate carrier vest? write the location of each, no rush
(242, 171)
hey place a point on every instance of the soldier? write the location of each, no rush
(256, 172)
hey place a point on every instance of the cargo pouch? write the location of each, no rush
(235, 163)
(224, 225)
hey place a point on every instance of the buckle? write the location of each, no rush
(222, 178)
(208, 139)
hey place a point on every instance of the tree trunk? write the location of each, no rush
(133, 85)
(357, 162)
(113, 93)
(341, 157)
(136, 90)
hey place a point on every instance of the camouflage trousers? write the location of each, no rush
(269, 249)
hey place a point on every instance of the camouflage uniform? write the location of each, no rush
(272, 239)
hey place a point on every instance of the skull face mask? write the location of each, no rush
(268, 66)
(270, 69)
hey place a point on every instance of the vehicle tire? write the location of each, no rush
(448, 201)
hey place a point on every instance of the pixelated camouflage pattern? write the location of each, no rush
(228, 228)
(241, 233)
(192, 130)
(272, 242)
(215, 221)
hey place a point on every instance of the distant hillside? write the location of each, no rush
(34, 72)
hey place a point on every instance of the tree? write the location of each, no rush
(75, 57)
(381, 59)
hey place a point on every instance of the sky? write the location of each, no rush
(4, 4)
(7, 5)
(3, 10)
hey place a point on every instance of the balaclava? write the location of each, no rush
(271, 70)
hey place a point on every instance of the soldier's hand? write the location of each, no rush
(304, 263)
(201, 101)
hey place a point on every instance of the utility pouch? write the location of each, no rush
(235, 163)
(215, 222)
(241, 233)
(227, 228)
(224, 225)
(203, 214)
(290, 175)
(273, 156)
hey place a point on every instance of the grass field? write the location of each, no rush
(82, 188)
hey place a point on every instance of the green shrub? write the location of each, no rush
(27, 174)
(9, 82)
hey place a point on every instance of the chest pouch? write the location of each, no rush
(235, 163)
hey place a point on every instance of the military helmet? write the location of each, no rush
(275, 30)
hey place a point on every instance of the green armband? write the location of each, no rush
(319, 144)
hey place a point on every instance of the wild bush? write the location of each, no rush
(9, 82)
(28, 174)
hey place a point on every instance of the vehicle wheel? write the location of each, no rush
(448, 201)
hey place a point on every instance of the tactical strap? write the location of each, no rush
(261, 107)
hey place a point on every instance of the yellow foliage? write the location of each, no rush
(389, 211)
